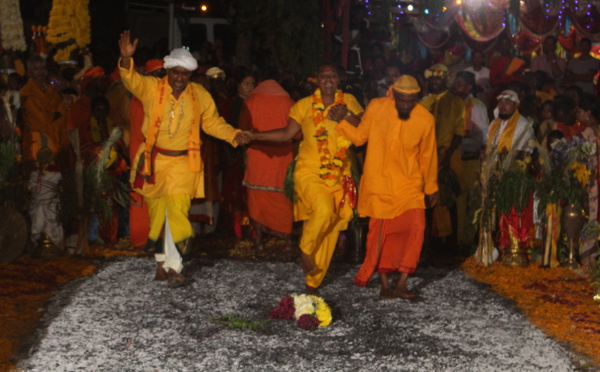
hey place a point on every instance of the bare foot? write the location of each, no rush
(177, 280)
(386, 293)
(405, 294)
(161, 274)
(311, 290)
(306, 265)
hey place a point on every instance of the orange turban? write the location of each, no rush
(91, 74)
(404, 84)
(153, 65)
(114, 76)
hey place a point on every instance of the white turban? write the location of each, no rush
(181, 58)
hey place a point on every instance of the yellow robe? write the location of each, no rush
(318, 203)
(172, 172)
(449, 113)
(175, 185)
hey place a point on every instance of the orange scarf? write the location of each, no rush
(156, 116)
(506, 138)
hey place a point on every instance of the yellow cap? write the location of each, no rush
(406, 84)
(437, 70)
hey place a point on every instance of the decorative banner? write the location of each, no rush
(432, 39)
(539, 20)
(11, 26)
(585, 17)
(439, 16)
(69, 27)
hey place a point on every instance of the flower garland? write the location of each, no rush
(11, 26)
(331, 167)
(69, 23)
(309, 311)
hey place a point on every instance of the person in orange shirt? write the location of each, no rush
(270, 211)
(399, 181)
(322, 172)
(44, 116)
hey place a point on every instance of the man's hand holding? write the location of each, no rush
(432, 199)
(243, 138)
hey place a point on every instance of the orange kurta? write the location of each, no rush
(400, 169)
(44, 117)
(265, 109)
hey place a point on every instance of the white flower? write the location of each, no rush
(588, 148)
(303, 304)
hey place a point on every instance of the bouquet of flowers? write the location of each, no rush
(570, 171)
(309, 311)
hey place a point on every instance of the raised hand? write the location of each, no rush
(126, 47)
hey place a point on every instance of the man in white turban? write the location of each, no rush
(167, 169)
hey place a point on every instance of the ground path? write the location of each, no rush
(120, 320)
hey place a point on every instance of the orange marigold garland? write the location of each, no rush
(331, 167)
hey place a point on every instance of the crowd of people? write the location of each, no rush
(199, 146)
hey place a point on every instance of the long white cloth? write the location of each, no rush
(171, 257)
(44, 206)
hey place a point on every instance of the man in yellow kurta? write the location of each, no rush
(322, 169)
(449, 113)
(399, 180)
(167, 169)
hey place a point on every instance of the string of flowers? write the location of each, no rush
(309, 311)
(331, 167)
(69, 25)
(11, 26)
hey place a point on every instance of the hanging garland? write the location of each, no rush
(69, 26)
(331, 167)
(11, 26)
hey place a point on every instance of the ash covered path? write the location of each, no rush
(121, 320)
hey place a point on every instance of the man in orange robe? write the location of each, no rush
(139, 221)
(398, 182)
(44, 115)
(269, 209)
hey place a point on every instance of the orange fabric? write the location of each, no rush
(43, 112)
(153, 65)
(393, 245)
(119, 100)
(401, 162)
(265, 109)
(271, 209)
(91, 74)
(267, 163)
(139, 220)
(79, 118)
